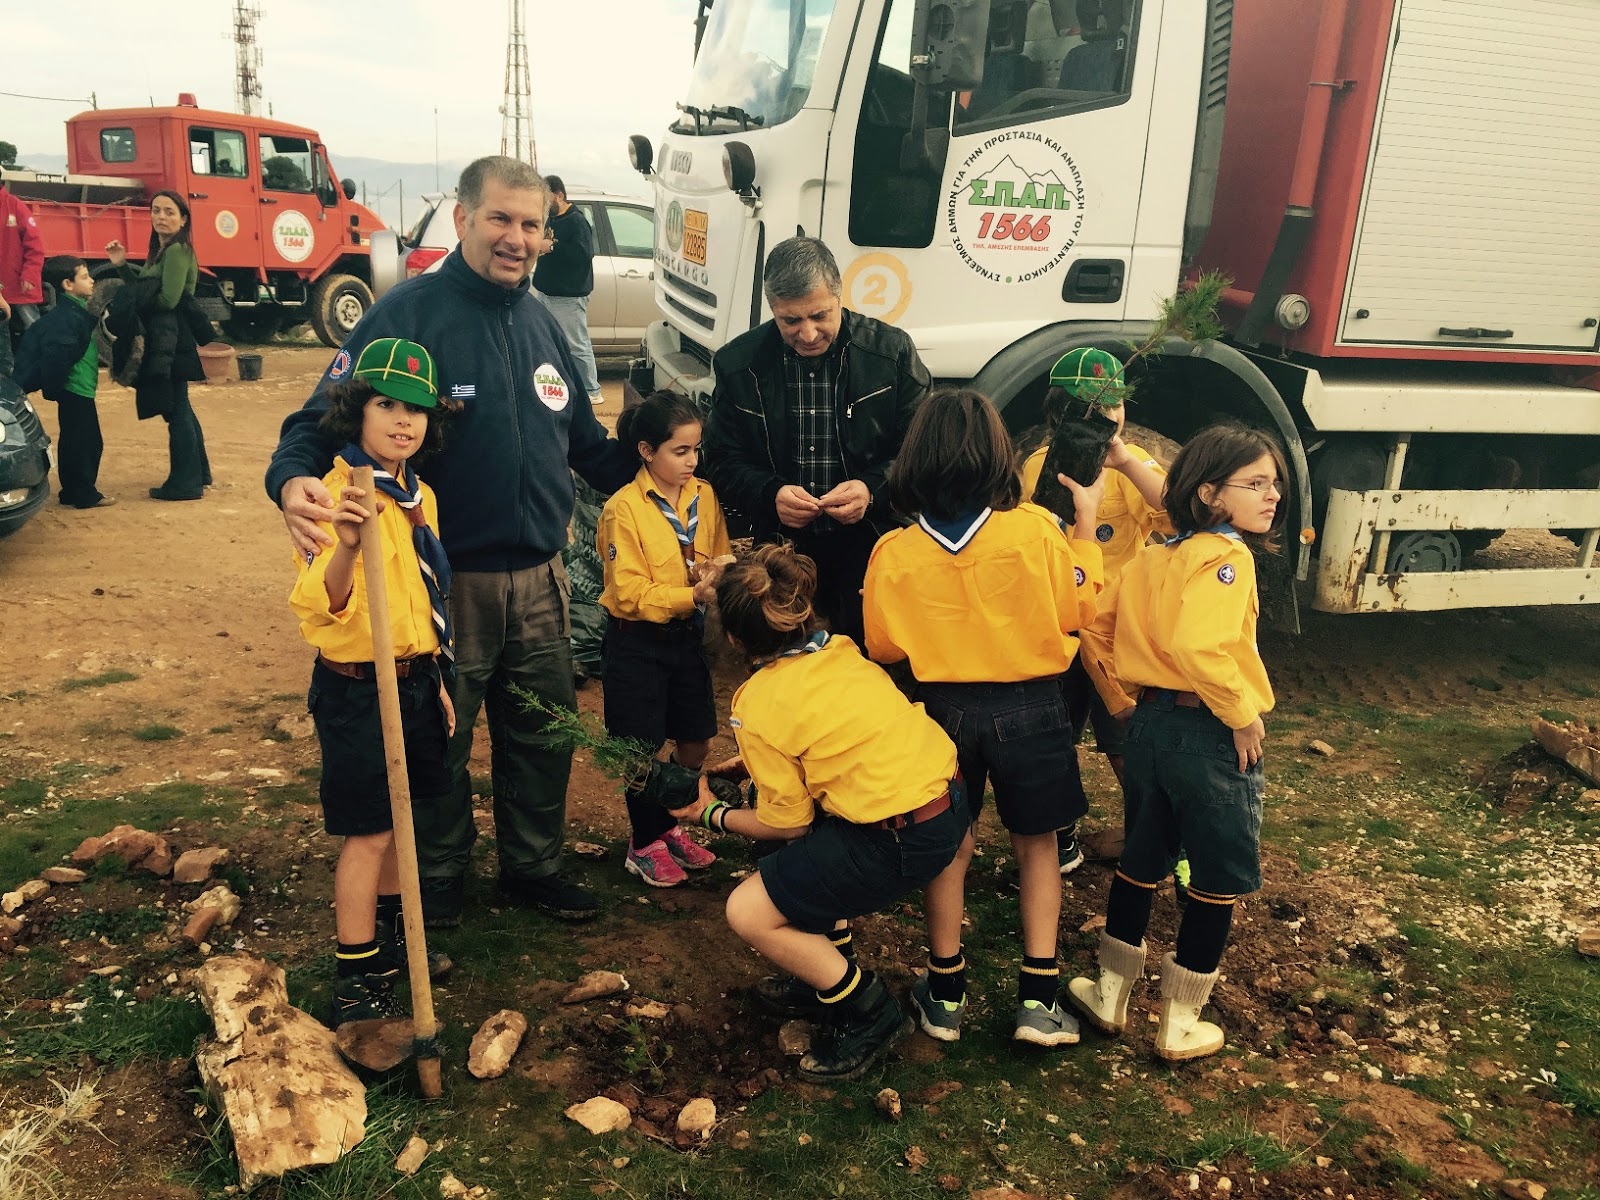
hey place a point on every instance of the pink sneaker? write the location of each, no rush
(686, 850)
(655, 865)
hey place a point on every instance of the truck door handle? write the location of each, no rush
(633, 274)
(1475, 331)
(198, 196)
(268, 200)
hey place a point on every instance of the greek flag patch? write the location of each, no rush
(1225, 572)
(463, 391)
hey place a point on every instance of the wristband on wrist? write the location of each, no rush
(713, 816)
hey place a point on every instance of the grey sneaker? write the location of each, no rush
(1069, 852)
(1045, 1025)
(939, 1019)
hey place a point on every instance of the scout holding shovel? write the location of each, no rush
(380, 703)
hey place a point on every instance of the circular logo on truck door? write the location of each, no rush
(674, 226)
(292, 236)
(1015, 208)
(878, 285)
(227, 224)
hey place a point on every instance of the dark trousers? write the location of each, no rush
(511, 633)
(841, 556)
(22, 315)
(189, 469)
(78, 456)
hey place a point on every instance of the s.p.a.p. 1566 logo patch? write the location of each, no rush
(550, 387)
(1226, 573)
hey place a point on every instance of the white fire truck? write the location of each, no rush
(1404, 193)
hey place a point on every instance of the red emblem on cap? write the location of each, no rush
(412, 365)
(1099, 368)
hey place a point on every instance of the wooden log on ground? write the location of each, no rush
(1580, 751)
(289, 1098)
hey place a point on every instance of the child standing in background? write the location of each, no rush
(983, 595)
(1131, 511)
(658, 538)
(1185, 646)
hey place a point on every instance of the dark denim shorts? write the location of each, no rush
(1182, 787)
(657, 683)
(355, 775)
(1018, 737)
(841, 870)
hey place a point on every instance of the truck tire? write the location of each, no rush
(337, 303)
(104, 289)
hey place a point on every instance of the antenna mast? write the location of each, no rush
(247, 56)
(516, 113)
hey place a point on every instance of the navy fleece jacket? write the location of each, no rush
(505, 493)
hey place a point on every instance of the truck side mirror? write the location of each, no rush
(348, 186)
(948, 39)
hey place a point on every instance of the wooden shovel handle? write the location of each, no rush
(425, 1026)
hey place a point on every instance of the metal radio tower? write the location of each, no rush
(247, 56)
(516, 113)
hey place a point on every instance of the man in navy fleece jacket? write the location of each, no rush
(505, 500)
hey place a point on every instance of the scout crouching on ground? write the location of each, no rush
(1185, 647)
(854, 778)
(385, 414)
(660, 538)
(983, 596)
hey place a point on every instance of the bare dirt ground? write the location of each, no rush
(190, 599)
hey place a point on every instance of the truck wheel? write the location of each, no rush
(337, 303)
(104, 290)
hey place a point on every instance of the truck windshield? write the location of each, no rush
(755, 64)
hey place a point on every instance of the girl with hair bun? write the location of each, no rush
(660, 538)
(857, 781)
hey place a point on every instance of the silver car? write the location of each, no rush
(623, 302)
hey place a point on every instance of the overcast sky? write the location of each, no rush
(367, 74)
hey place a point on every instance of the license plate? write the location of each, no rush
(695, 224)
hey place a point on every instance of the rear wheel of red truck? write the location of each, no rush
(338, 302)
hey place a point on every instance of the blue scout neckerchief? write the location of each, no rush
(685, 536)
(811, 645)
(431, 558)
(955, 534)
(1222, 527)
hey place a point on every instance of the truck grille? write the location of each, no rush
(701, 354)
(699, 318)
(684, 287)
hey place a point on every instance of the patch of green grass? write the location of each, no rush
(1582, 690)
(22, 793)
(220, 729)
(111, 1031)
(155, 733)
(104, 679)
(1235, 1137)
(1485, 684)
(1383, 827)
(76, 772)
(1433, 865)
(17, 696)
(117, 925)
(1557, 716)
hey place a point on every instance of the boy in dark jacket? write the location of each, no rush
(58, 357)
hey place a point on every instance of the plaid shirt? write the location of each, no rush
(812, 385)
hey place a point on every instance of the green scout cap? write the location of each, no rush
(401, 370)
(1089, 374)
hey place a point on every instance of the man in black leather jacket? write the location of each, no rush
(808, 412)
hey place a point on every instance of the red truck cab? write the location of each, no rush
(279, 239)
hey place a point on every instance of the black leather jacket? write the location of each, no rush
(881, 382)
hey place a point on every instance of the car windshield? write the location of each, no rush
(755, 64)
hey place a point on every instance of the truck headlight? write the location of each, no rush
(738, 167)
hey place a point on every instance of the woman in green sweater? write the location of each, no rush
(163, 384)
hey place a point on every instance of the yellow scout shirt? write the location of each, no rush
(646, 577)
(1126, 519)
(1000, 608)
(346, 636)
(826, 727)
(1186, 620)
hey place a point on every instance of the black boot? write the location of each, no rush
(868, 1027)
(364, 998)
(392, 950)
(786, 996)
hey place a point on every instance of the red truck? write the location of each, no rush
(279, 238)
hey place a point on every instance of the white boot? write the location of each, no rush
(1105, 1000)
(1182, 1034)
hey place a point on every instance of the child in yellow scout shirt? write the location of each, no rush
(1185, 645)
(983, 595)
(387, 412)
(658, 538)
(858, 783)
(1129, 514)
